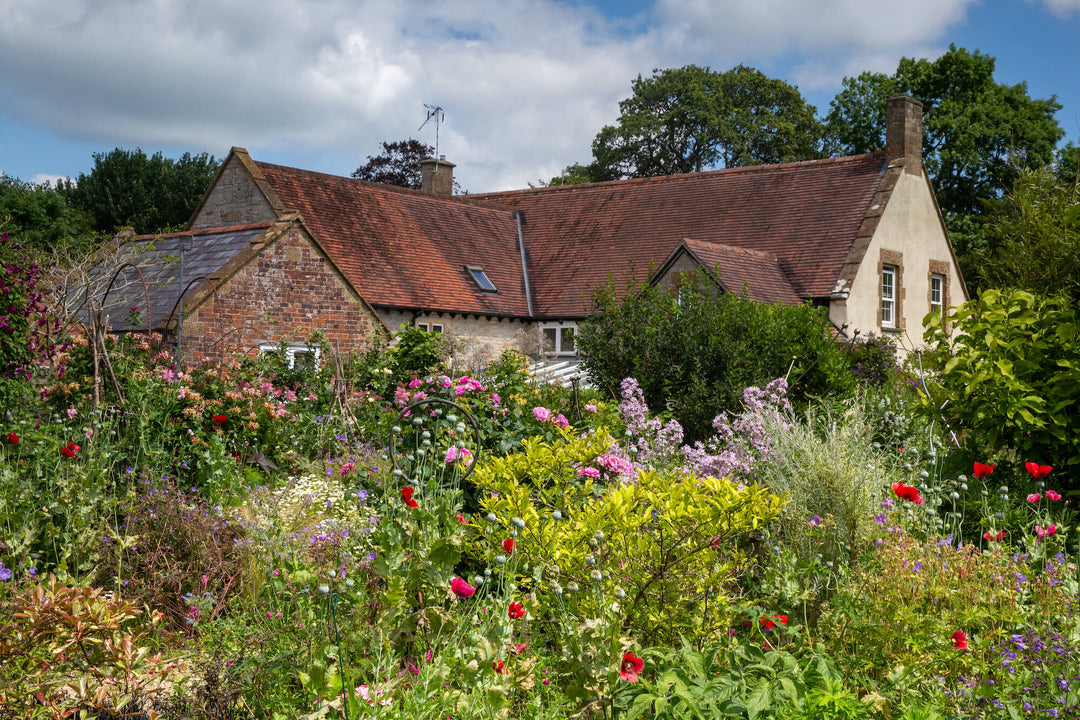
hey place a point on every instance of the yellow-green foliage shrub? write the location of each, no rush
(655, 552)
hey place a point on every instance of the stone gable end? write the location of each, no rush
(234, 199)
(285, 293)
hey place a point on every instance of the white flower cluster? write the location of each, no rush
(314, 499)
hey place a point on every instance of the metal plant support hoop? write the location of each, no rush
(411, 411)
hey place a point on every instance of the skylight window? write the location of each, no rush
(481, 278)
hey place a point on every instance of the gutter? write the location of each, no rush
(524, 264)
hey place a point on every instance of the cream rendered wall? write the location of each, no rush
(911, 236)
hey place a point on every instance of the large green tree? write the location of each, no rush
(978, 133)
(148, 193)
(692, 118)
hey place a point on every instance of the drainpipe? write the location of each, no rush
(524, 264)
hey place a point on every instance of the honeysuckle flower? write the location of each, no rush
(461, 588)
(516, 611)
(407, 496)
(1036, 470)
(1042, 533)
(1034, 498)
(542, 414)
(13, 438)
(631, 667)
(1053, 495)
(220, 419)
(959, 640)
(981, 471)
(508, 546)
(907, 492)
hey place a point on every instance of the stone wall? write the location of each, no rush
(235, 199)
(287, 292)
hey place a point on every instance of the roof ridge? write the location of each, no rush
(686, 177)
(205, 231)
(725, 247)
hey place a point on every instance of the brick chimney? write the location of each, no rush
(904, 133)
(437, 176)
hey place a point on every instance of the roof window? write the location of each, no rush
(481, 278)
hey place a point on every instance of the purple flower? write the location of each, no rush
(815, 521)
(5, 573)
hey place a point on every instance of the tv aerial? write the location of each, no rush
(434, 112)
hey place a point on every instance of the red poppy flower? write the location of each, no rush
(461, 588)
(461, 518)
(497, 666)
(982, 471)
(907, 492)
(70, 450)
(631, 667)
(768, 622)
(406, 495)
(508, 546)
(959, 640)
(989, 536)
(1036, 470)
(516, 611)
(13, 438)
(220, 419)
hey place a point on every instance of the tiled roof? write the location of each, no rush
(158, 258)
(737, 270)
(807, 215)
(403, 248)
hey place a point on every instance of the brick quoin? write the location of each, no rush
(275, 298)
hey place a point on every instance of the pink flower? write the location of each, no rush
(414, 383)
(461, 588)
(1053, 495)
(456, 453)
(589, 472)
(1034, 498)
(71, 413)
(590, 408)
(542, 414)
(495, 399)
(1041, 533)
(401, 396)
(561, 421)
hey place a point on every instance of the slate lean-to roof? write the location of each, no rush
(404, 249)
(158, 258)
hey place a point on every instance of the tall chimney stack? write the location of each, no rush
(904, 133)
(437, 176)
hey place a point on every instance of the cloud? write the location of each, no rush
(525, 84)
(1062, 8)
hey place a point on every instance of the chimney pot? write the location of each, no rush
(904, 133)
(437, 176)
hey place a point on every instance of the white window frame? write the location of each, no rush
(888, 296)
(558, 329)
(430, 327)
(292, 350)
(937, 288)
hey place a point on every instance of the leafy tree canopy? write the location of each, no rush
(40, 216)
(1036, 236)
(148, 193)
(977, 131)
(692, 118)
(397, 164)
